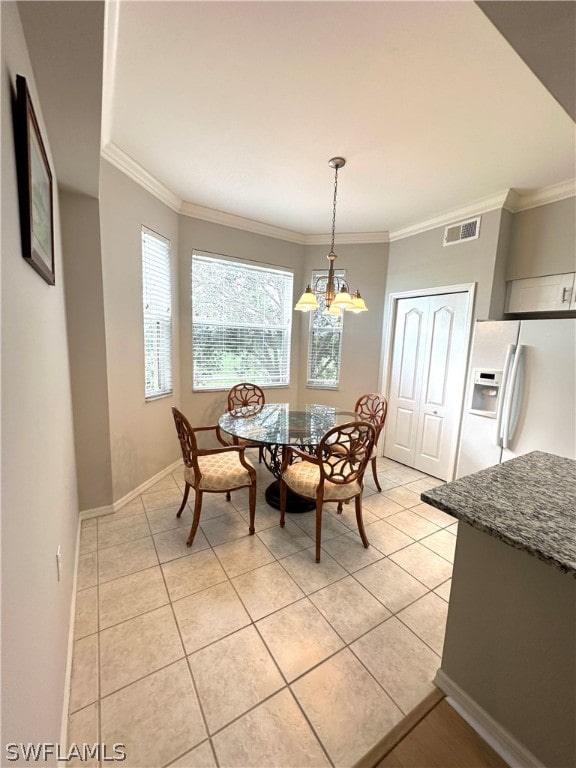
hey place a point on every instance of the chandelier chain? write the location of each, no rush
(334, 207)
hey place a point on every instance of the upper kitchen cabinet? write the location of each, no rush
(551, 293)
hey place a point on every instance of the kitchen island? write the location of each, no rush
(509, 658)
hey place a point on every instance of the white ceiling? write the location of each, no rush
(238, 106)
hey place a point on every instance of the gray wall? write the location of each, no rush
(366, 266)
(87, 345)
(39, 508)
(543, 241)
(142, 441)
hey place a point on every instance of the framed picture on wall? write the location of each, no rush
(34, 187)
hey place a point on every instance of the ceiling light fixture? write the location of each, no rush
(332, 288)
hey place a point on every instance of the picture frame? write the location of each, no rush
(35, 189)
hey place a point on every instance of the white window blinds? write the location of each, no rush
(241, 323)
(325, 344)
(157, 305)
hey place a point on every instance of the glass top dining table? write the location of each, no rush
(276, 425)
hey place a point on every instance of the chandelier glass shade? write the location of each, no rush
(331, 287)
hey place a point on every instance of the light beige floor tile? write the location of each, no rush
(427, 619)
(400, 661)
(285, 541)
(274, 734)
(86, 614)
(443, 543)
(403, 496)
(164, 519)
(264, 517)
(232, 676)
(331, 527)
(243, 555)
(209, 615)
(423, 564)
(346, 707)
(444, 590)
(134, 507)
(310, 575)
(266, 589)
(348, 515)
(411, 524)
(166, 483)
(298, 637)
(201, 756)
(83, 729)
(87, 571)
(385, 483)
(166, 498)
(391, 584)
(436, 516)
(424, 484)
(138, 647)
(113, 532)
(350, 553)
(228, 527)
(380, 506)
(132, 556)
(172, 544)
(386, 537)
(191, 574)
(398, 476)
(453, 528)
(157, 718)
(131, 595)
(84, 679)
(88, 539)
(349, 608)
(215, 504)
(88, 522)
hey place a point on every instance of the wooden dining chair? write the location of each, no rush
(212, 470)
(373, 409)
(335, 473)
(243, 398)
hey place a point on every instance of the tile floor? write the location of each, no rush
(242, 651)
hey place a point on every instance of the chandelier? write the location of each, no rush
(331, 287)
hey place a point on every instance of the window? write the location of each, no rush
(157, 304)
(325, 344)
(241, 323)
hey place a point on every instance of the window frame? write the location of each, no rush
(163, 350)
(285, 349)
(336, 322)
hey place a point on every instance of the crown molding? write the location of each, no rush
(355, 238)
(118, 158)
(452, 216)
(238, 222)
(545, 196)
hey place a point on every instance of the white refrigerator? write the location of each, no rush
(520, 393)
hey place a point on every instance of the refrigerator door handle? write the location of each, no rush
(507, 426)
(510, 350)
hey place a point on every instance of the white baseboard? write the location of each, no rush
(86, 514)
(502, 742)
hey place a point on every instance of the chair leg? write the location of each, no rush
(196, 520)
(360, 521)
(228, 495)
(340, 507)
(283, 494)
(374, 473)
(252, 503)
(260, 453)
(184, 500)
(319, 504)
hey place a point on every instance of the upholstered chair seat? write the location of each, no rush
(304, 478)
(219, 472)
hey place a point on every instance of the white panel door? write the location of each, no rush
(428, 366)
(405, 390)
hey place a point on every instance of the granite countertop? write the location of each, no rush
(528, 502)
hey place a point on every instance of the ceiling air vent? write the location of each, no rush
(465, 230)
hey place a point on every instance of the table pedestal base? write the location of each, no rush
(294, 503)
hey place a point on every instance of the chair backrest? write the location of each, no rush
(373, 409)
(244, 395)
(185, 435)
(344, 451)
